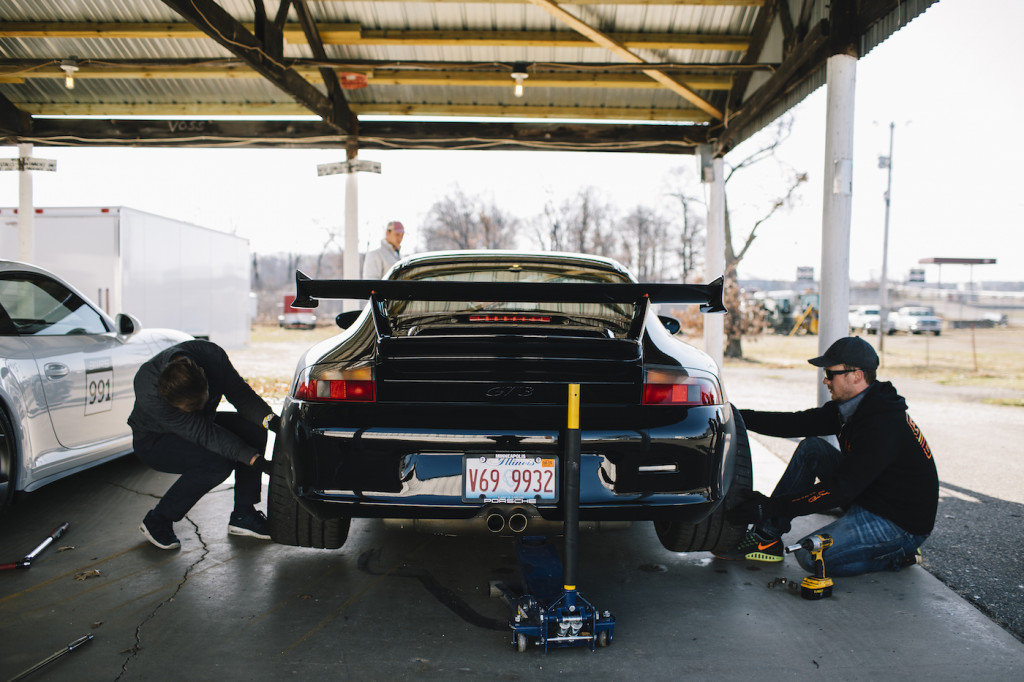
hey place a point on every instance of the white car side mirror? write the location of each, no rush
(127, 324)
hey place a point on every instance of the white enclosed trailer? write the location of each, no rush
(165, 272)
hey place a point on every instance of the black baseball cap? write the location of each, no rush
(850, 350)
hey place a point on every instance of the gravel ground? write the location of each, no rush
(975, 548)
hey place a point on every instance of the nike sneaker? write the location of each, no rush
(755, 547)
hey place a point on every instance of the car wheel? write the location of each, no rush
(714, 533)
(8, 462)
(293, 524)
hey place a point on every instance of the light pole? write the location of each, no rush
(883, 304)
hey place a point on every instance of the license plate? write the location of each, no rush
(524, 479)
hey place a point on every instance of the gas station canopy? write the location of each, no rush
(602, 75)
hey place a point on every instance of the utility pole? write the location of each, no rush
(883, 307)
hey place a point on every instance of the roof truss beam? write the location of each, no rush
(378, 108)
(229, 33)
(654, 138)
(12, 119)
(607, 42)
(379, 73)
(316, 46)
(355, 35)
(697, 3)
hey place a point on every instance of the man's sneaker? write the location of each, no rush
(251, 523)
(159, 532)
(754, 547)
(915, 558)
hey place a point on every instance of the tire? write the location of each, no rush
(714, 533)
(293, 524)
(8, 462)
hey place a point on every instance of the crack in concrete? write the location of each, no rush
(133, 490)
(133, 651)
(224, 489)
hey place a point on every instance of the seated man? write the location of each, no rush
(177, 429)
(882, 476)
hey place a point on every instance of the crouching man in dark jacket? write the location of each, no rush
(177, 429)
(882, 475)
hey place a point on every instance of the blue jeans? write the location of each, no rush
(201, 470)
(862, 542)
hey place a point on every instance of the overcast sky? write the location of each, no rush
(946, 80)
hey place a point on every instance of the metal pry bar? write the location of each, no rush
(309, 291)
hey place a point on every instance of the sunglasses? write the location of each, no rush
(831, 374)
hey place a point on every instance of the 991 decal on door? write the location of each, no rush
(99, 387)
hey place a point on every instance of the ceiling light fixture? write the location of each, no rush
(519, 75)
(69, 66)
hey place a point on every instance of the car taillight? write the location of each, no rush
(678, 387)
(328, 383)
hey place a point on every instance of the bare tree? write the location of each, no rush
(691, 235)
(461, 222)
(734, 324)
(644, 235)
(582, 224)
(332, 238)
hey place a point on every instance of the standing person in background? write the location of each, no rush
(381, 259)
(177, 429)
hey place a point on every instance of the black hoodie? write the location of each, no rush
(887, 467)
(153, 415)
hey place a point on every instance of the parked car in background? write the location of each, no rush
(444, 404)
(917, 320)
(292, 318)
(66, 379)
(866, 319)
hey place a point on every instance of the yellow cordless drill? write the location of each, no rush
(815, 586)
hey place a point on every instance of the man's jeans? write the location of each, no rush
(862, 542)
(201, 470)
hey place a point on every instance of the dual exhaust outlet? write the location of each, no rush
(515, 520)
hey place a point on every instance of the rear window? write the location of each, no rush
(417, 317)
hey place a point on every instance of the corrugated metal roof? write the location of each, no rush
(151, 68)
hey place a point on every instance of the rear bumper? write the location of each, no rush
(676, 469)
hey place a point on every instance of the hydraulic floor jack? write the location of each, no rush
(556, 616)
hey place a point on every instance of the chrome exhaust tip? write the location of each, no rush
(495, 522)
(517, 522)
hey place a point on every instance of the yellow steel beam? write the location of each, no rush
(378, 76)
(353, 34)
(368, 108)
(608, 42)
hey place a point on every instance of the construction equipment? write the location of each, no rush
(807, 321)
(26, 561)
(553, 617)
(816, 586)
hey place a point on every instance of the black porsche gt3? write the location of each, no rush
(444, 401)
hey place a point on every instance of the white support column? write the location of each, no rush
(714, 258)
(26, 210)
(351, 233)
(836, 206)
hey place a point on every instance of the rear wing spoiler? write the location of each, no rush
(308, 292)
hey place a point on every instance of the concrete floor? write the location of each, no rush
(395, 605)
